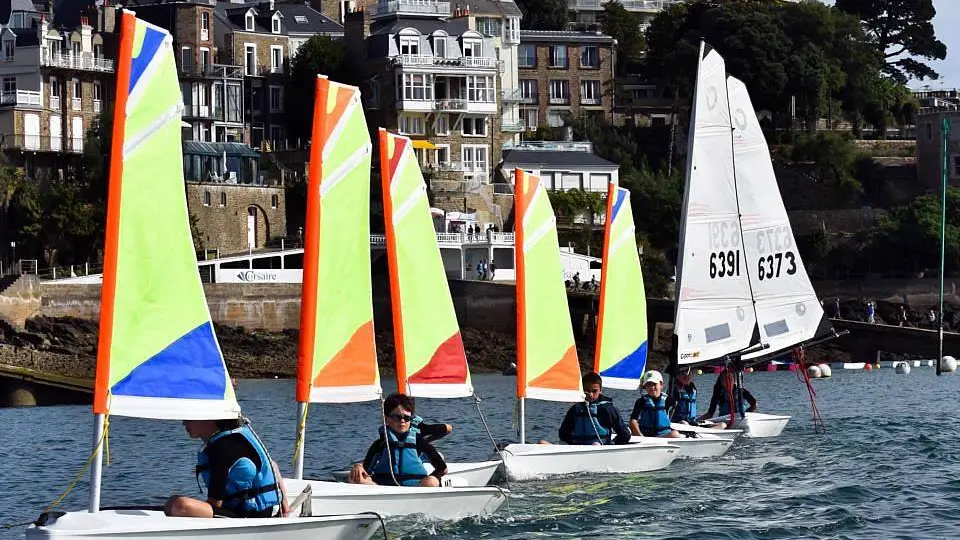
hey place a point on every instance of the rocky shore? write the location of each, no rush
(67, 346)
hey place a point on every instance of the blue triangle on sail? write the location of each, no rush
(621, 195)
(630, 367)
(152, 39)
(190, 368)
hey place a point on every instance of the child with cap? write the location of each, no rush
(649, 417)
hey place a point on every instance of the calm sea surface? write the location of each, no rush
(888, 466)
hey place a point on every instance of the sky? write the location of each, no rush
(944, 25)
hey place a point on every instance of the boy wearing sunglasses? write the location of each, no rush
(395, 458)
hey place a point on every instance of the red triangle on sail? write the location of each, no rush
(564, 375)
(448, 365)
(335, 107)
(354, 364)
(396, 146)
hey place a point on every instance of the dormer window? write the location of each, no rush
(275, 23)
(250, 23)
(9, 48)
(301, 19)
(440, 45)
(409, 42)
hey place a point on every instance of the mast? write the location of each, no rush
(111, 249)
(945, 131)
(519, 179)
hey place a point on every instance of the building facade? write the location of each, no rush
(930, 145)
(564, 74)
(587, 12)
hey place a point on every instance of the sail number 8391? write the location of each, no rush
(724, 263)
(770, 267)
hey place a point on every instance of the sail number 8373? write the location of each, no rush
(772, 265)
(725, 263)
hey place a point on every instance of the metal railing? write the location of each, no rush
(41, 143)
(419, 7)
(202, 111)
(430, 60)
(216, 71)
(85, 61)
(460, 238)
(512, 127)
(21, 97)
(451, 104)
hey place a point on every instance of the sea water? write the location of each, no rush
(887, 467)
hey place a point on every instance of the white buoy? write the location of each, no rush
(948, 364)
(902, 368)
(928, 363)
(814, 372)
(825, 370)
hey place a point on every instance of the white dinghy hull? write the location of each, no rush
(154, 525)
(759, 426)
(440, 504)
(731, 434)
(532, 461)
(470, 473)
(703, 446)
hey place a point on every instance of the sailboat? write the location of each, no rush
(157, 355)
(547, 365)
(337, 360)
(621, 351)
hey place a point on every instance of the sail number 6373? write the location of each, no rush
(724, 263)
(769, 267)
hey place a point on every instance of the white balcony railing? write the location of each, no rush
(76, 103)
(413, 7)
(450, 166)
(415, 60)
(85, 61)
(97, 106)
(451, 105)
(459, 238)
(56, 143)
(55, 102)
(512, 127)
(513, 95)
(480, 62)
(589, 101)
(646, 6)
(21, 97)
(559, 100)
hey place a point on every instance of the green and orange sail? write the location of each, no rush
(431, 361)
(547, 365)
(337, 359)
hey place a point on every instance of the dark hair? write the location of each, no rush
(229, 423)
(402, 400)
(592, 378)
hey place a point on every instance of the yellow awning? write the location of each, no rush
(424, 144)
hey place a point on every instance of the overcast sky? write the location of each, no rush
(944, 25)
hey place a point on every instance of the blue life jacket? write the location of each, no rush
(404, 464)
(586, 427)
(653, 420)
(249, 490)
(723, 406)
(686, 409)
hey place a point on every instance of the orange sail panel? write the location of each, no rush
(547, 365)
(431, 361)
(337, 359)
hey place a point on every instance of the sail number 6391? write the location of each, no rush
(724, 263)
(769, 267)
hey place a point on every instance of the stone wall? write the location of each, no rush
(20, 301)
(224, 227)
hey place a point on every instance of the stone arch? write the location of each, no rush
(260, 223)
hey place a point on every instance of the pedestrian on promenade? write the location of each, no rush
(493, 270)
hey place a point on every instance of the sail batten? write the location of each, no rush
(431, 360)
(621, 350)
(547, 364)
(337, 360)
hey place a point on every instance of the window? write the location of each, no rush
(442, 124)
(204, 59)
(276, 99)
(97, 96)
(570, 181)
(474, 158)
(528, 90)
(527, 55)
(411, 124)
(233, 103)
(409, 44)
(76, 94)
(250, 59)
(204, 25)
(9, 47)
(559, 91)
(9, 85)
(440, 46)
(54, 87)
(480, 88)
(529, 118)
(558, 56)
(186, 59)
(589, 56)
(474, 126)
(590, 92)
(275, 23)
(276, 59)
(301, 19)
(442, 154)
(274, 201)
(98, 51)
(472, 48)
(417, 86)
(489, 26)
(250, 24)
(223, 198)
(75, 48)
(206, 198)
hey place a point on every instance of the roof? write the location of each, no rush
(316, 22)
(494, 7)
(233, 16)
(216, 149)
(424, 26)
(555, 158)
(565, 36)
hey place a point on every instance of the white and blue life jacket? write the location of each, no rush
(653, 419)
(403, 465)
(249, 489)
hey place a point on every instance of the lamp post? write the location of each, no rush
(945, 132)
(13, 260)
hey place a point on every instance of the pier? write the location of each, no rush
(24, 387)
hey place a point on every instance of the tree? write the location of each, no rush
(835, 157)
(544, 14)
(901, 30)
(319, 55)
(624, 27)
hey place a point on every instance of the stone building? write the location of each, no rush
(930, 146)
(564, 74)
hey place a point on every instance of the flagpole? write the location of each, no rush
(945, 131)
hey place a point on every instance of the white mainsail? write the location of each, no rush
(714, 307)
(788, 311)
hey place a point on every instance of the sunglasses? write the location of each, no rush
(401, 417)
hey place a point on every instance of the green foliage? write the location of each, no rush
(623, 26)
(835, 157)
(902, 32)
(544, 14)
(319, 55)
(657, 200)
(909, 237)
